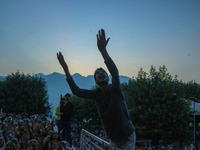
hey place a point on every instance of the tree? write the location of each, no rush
(192, 89)
(85, 112)
(22, 93)
(157, 106)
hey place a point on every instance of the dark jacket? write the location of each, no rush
(67, 111)
(112, 107)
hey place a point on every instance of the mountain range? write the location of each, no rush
(57, 84)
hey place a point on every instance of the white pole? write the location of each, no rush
(194, 130)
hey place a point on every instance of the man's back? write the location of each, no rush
(67, 111)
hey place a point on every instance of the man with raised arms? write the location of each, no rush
(109, 98)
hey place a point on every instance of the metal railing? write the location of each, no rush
(92, 142)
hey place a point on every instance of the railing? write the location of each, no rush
(92, 142)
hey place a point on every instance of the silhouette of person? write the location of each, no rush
(66, 111)
(110, 101)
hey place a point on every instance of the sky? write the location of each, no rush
(142, 33)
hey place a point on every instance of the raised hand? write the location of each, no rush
(101, 40)
(61, 59)
(63, 64)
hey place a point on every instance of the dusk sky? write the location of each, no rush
(142, 33)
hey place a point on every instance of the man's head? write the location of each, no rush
(10, 146)
(101, 77)
(34, 144)
(66, 97)
(2, 142)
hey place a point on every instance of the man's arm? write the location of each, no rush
(64, 65)
(74, 88)
(101, 44)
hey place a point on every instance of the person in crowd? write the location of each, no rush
(10, 146)
(34, 144)
(54, 141)
(109, 98)
(66, 110)
(58, 114)
(2, 143)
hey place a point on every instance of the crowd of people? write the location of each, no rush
(35, 132)
(39, 132)
(167, 147)
(101, 134)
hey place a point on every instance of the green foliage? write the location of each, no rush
(85, 112)
(24, 93)
(192, 89)
(157, 106)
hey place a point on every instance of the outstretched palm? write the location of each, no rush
(101, 40)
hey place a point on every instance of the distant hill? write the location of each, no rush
(57, 84)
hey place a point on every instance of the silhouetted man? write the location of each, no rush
(66, 111)
(109, 98)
